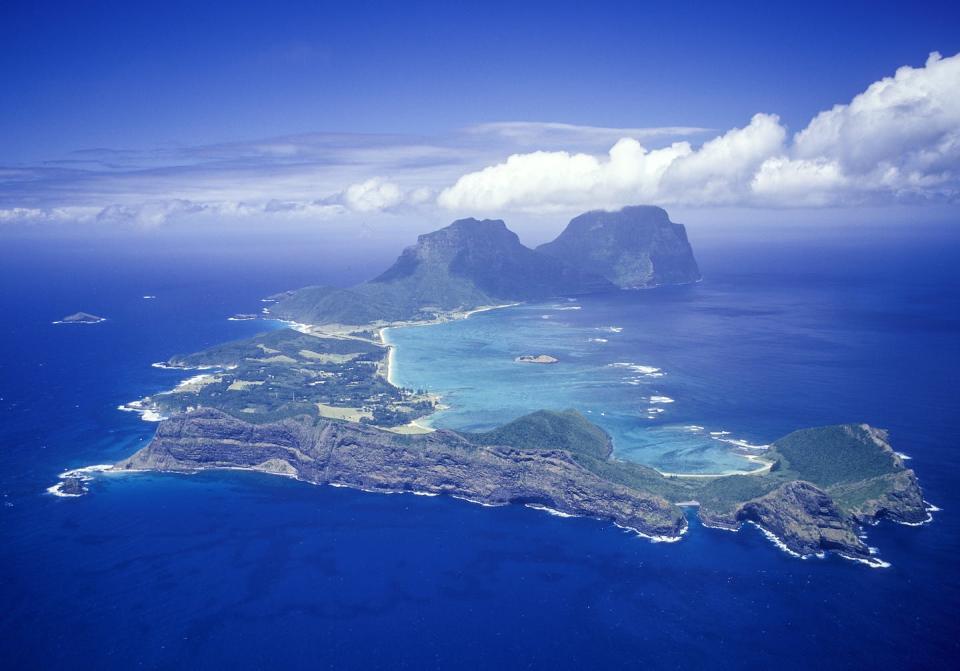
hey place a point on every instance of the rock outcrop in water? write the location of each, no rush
(634, 248)
(536, 358)
(81, 318)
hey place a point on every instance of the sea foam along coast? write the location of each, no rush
(82, 474)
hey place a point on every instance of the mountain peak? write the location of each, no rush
(468, 230)
(634, 247)
(475, 262)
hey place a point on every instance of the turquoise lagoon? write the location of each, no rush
(610, 367)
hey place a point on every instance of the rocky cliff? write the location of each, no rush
(633, 248)
(467, 264)
(563, 462)
(438, 463)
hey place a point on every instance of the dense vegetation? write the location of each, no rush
(832, 454)
(844, 460)
(633, 247)
(465, 265)
(545, 430)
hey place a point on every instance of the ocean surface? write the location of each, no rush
(241, 570)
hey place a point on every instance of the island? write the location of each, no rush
(243, 317)
(81, 318)
(72, 485)
(315, 402)
(536, 358)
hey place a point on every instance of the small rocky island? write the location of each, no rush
(81, 318)
(316, 403)
(536, 358)
(243, 317)
(72, 486)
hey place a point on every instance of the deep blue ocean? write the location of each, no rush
(240, 570)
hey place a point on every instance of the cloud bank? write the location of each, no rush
(898, 140)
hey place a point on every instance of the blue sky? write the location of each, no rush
(217, 110)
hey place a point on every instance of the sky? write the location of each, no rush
(124, 117)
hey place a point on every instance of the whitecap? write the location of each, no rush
(653, 538)
(146, 414)
(168, 366)
(651, 371)
(96, 468)
(773, 538)
(869, 561)
(742, 443)
(56, 491)
(549, 511)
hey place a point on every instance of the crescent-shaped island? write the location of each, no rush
(315, 402)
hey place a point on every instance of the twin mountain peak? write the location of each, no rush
(473, 263)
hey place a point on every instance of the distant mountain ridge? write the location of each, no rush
(472, 263)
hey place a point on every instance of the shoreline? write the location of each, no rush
(421, 425)
(391, 365)
(388, 370)
(87, 473)
(765, 468)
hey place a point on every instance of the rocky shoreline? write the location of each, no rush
(366, 458)
(800, 517)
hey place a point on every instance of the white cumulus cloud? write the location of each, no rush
(898, 139)
(372, 195)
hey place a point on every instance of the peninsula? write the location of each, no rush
(315, 402)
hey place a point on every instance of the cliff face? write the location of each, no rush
(562, 462)
(491, 257)
(633, 248)
(366, 458)
(476, 262)
(804, 519)
(825, 483)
